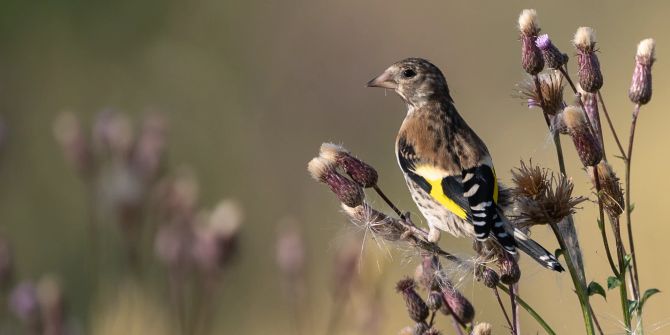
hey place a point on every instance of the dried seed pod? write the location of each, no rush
(346, 190)
(640, 87)
(587, 145)
(416, 307)
(510, 273)
(362, 173)
(550, 95)
(590, 76)
(611, 192)
(488, 276)
(456, 303)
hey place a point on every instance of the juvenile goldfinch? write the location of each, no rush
(447, 167)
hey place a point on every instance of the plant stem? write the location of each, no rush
(579, 287)
(502, 307)
(530, 311)
(389, 202)
(609, 122)
(629, 224)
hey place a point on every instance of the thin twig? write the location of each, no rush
(389, 202)
(609, 121)
(629, 207)
(502, 307)
(530, 311)
(515, 317)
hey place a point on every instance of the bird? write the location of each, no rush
(447, 166)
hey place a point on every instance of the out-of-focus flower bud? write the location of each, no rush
(416, 307)
(70, 136)
(640, 87)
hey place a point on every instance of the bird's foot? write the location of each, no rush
(433, 235)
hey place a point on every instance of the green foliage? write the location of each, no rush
(613, 282)
(595, 288)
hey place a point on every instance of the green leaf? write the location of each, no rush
(620, 157)
(647, 294)
(613, 282)
(595, 288)
(631, 208)
(601, 225)
(632, 306)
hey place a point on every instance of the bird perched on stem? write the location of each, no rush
(447, 167)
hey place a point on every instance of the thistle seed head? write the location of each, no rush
(590, 76)
(346, 190)
(488, 276)
(416, 307)
(550, 96)
(553, 58)
(640, 87)
(456, 303)
(528, 22)
(587, 145)
(510, 273)
(362, 173)
(482, 328)
(379, 223)
(541, 197)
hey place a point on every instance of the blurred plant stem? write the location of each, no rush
(565, 230)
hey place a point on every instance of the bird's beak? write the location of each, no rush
(384, 80)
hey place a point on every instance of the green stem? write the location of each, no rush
(530, 311)
(629, 224)
(579, 287)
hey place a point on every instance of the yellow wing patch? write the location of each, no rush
(434, 177)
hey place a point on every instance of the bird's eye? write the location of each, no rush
(409, 73)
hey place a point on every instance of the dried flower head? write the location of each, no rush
(456, 303)
(553, 58)
(640, 87)
(587, 145)
(611, 192)
(590, 76)
(541, 197)
(510, 272)
(346, 190)
(482, 328)
(530, 180)
(550, 96)
(362, 173)
(379, 223)
(488, 276)
(416, 307)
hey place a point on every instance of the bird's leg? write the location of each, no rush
(433, 234)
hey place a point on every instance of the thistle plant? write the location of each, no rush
(539, 196)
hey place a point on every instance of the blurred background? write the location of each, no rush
(236, 97)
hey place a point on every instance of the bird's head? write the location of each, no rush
(416, 80)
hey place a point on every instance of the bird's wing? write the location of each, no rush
(471, 194)
(443, 187)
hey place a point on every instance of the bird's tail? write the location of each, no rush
(536, 251)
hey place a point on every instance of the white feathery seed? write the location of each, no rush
(318, 167)
(528, 23)
(331, 151)
(573, 117)
(647, 48)
(585, 37)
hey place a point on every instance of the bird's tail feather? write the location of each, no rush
(536, 251)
